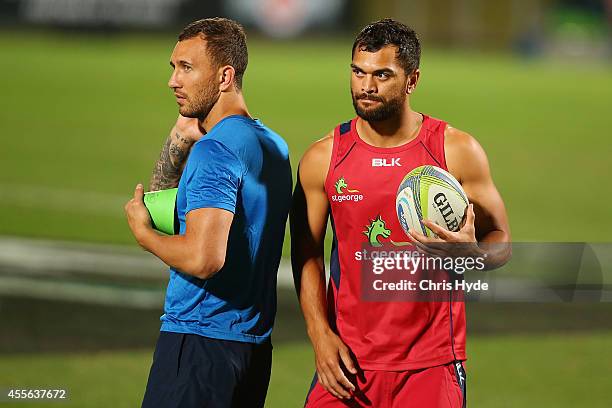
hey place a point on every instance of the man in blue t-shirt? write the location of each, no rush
(234, 192)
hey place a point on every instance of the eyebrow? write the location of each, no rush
(378, 71)
(181, 62)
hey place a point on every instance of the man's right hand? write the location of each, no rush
(330, 351)
(172, 159)
(189, 129)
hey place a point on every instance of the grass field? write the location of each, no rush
(82, 120)
(516, 371)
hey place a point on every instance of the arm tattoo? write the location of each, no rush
(169, 166)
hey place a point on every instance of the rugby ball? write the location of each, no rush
(429, 192)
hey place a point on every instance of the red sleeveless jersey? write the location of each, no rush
(361, 186)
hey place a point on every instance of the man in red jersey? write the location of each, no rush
(385, 354)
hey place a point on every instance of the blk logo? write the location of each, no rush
(459, 369)
(395, 162)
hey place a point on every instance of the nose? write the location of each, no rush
(368, 85)
(173, 81)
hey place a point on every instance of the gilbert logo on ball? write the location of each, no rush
(162, 208)
(429, 192)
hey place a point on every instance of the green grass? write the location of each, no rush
(83, 119)
(502, 372)
(86, 116)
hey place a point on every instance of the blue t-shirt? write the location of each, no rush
(243, 167)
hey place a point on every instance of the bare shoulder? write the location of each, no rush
(458, 139)
(320, 151)
(464, 155)
(316, 159)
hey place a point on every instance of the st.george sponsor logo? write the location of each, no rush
(376, 230)
(343, 193)
(394, 162)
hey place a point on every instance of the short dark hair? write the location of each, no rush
(225, 42)
(385, 32)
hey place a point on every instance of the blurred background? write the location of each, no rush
(85, 109)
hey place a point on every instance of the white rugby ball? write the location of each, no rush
(429, 192)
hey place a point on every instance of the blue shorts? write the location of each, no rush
(194, 371)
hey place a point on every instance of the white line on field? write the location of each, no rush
(57, 258)
(24, 261)
(85, 293)
(62, 200)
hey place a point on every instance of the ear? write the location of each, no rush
(227, 73)
(413, 79)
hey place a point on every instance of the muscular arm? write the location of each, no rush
(308, 221)
(467, 161)
(172, 159)
(193, 253)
